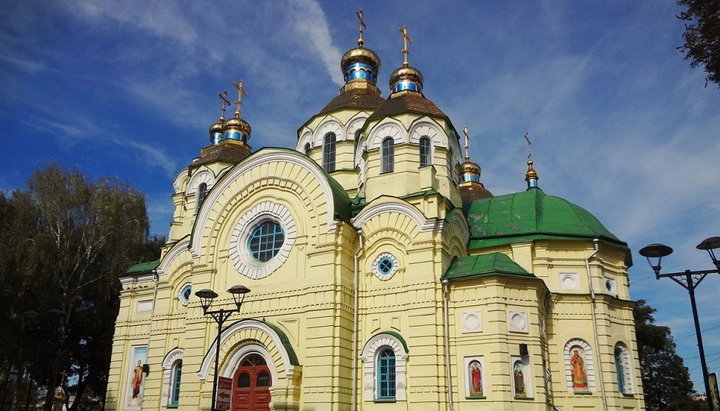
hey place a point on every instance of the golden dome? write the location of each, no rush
(238, 124)
(470, 167)
(217, 128)
(360, 55)
(403, 73)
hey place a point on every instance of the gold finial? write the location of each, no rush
(529, 146)
(360, 40)
(467, 145)
(406, 43)
(241, 92)
(223, 104)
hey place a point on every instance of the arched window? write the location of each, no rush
(388, 155)
(307, 148)
(201, 194)
(175, 374)
(386, 374)
(329, 152)
(623, 369)
(384, 368)
(425, 152)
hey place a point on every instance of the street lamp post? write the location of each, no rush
(689, 280)
(220, 316)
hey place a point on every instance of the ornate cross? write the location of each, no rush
(529, 144)
(359, 15)
(223, 104)
(406, 43)
(467, 145)
(241, 92)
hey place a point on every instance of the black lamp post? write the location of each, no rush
(220, 316)
(689, 280)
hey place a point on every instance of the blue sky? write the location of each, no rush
(620, 123)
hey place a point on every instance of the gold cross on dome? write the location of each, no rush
(529, 144)
(359, 15)
(406, 43)
(467, 145)
(241, 92)
(223, 104)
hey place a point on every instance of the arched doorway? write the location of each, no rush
(251, 385)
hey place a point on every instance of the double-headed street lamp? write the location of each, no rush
(689, 280)
(220, 316)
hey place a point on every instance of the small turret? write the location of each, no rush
(470, 186)
(406, 78)
(237, 128)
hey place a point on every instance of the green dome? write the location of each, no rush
(530, 215)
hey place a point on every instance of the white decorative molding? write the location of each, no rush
(517, 321)
(306, 138)
(258, 159)
(174, 251)
(409, 210)
(471, 321)
(430, 129)
(248, 324)
(587, 359)
(330, 126)
(175, 355)
(456, 216)
(243, 351)
(378, 273)
(200, 176)
(387, 128)
(180, 180)
(144, 305)
(369, 358)
(354, 125)
(626, 362)
(569, 281)
(244, 263)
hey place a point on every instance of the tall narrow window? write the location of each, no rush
(388, 155)
(386, 374)
(329, 152)
(619, 370)
(202, 192)
(307, 148)
(175, 384)
(425, 159)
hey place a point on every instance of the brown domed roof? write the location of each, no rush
(407, 102)
(360, 98)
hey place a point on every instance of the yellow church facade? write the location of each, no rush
(382, 275)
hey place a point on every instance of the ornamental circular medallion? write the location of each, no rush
(385, 266)
(185, 293)
(262, 239)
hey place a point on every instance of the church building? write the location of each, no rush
(373, 271)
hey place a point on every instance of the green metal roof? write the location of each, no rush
(143, 268)
(483, 265)
(530, 215)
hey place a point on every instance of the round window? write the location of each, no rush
(385, 266)
(185, 293)
(266, 240)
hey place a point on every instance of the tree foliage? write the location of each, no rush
(63, 243)
(702, 36)
(666, 380)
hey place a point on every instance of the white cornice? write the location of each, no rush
(424, 224)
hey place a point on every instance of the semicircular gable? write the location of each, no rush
(181, 180)
(203, 175)
(329, 126)
(354, 125)
(457, 225)
(305, 138)
(384, 205)
(285, 170)
(174, 256)
(387, 128)
(428, 128)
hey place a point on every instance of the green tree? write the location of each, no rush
(702, 36)
(666, 380)
(64, 241)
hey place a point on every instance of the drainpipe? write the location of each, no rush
(356, 304)
(596, 243)
(446, 340)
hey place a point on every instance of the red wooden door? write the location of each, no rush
(251, 385)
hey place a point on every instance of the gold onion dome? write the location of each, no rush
(406, 78)
(237, 129)
(531, 175)
(216, 132)
(360, 63)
